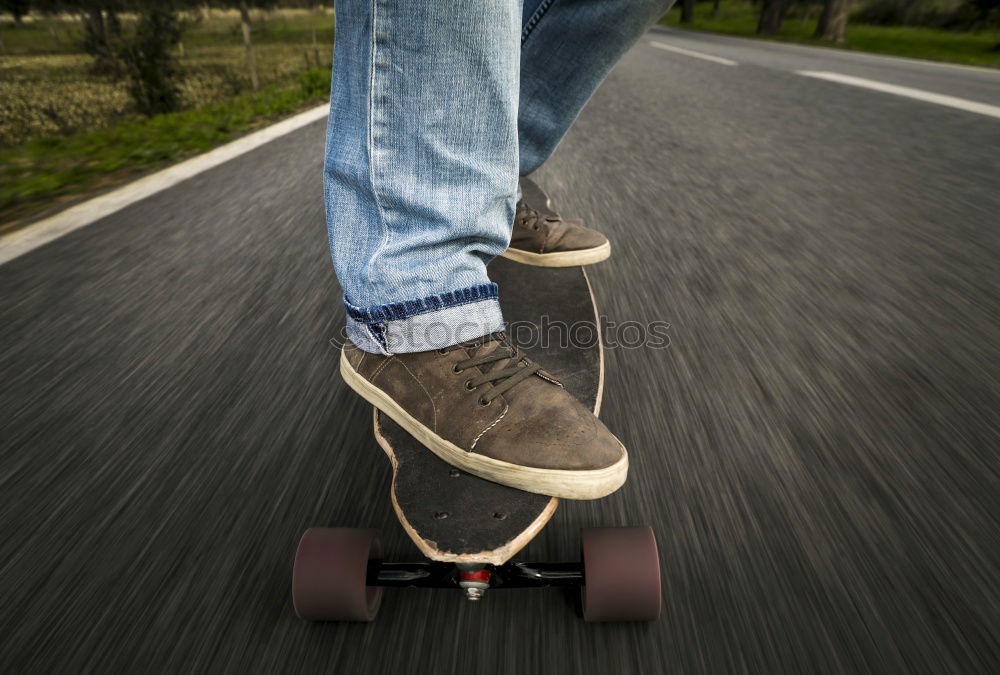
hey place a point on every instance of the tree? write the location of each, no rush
(139, 50)
(146, 53)
(771, 14)
(985, 8)
(832, 23)
(248, 45)
(687, 11)
(247, 27)
(18, 8)
(101, 27)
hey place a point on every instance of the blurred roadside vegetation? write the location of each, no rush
(955, 31)
(96, 92)
(169, 81)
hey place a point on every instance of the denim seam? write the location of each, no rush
(397, 311)
(371, 144)
(535, 18)
(377, 331)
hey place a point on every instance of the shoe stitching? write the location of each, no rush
(379, 369)
(429, 397)
(506, 407)
(546, 377)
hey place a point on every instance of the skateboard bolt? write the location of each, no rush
(454, 473)
(474, 593)
(499, 515)
(441, 515)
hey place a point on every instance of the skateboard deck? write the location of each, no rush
(453, 516)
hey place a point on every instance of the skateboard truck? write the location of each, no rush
(339, 575)
(472, 576)
(475, 579)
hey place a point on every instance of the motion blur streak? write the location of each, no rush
(816, 450)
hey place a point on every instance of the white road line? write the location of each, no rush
(38, 234)
(908, 92)
(697, 55)
(814, 50)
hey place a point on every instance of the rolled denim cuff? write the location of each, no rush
(424, 324)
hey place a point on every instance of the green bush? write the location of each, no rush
(315, 82)
(149, 61)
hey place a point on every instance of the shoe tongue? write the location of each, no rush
(486, 348)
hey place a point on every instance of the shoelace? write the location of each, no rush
(511, 366)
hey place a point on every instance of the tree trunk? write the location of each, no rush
(251, 64)
(715, 8)
(18, 8)
(770, 17)
(687, 11)
(95, 26)
(832, 24)
(98, 30)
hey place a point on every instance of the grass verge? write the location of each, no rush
(50, 88)
(46, 171)
(971, 48)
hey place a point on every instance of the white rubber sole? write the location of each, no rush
(564, 483)
(561, 258)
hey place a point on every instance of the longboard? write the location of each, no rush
(453, 516)
(470, 528)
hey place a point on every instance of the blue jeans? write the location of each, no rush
(437, 106)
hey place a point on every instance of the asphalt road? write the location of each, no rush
(816, 450)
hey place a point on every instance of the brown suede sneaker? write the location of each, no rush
(543, 238)
(487, 409)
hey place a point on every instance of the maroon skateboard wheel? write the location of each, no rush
(621, 570)
(329, 581)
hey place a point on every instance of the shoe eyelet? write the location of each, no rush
(442, 352)
(483, 401)
(468, 385)
(455, 369)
